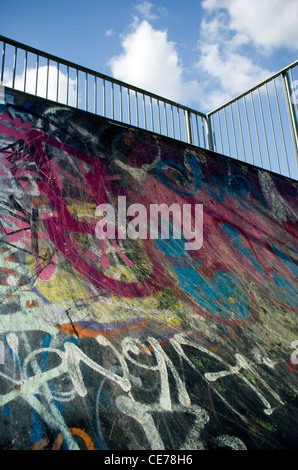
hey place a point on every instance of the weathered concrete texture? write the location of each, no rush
(140, 344)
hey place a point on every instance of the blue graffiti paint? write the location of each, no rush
(237, 186)
(286, 259)
(192, 167)
(36, 432)
(44, 357)
(6, 410)
(285, 290)
(235, 239)
(171, 248)
(222, 295)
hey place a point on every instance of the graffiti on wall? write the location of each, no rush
(139, 343)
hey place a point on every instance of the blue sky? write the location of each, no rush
(197, 52)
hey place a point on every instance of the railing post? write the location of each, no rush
(209, 133)
(188, 127)
(291, 112)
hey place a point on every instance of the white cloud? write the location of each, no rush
(233, 73)
(234, 38)
(233, 34)
(145, 9)
(150, 61)
(109, 32)
(268, 23)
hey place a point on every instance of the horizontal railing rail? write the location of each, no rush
(258, 127)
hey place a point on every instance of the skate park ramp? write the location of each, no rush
(135, 343)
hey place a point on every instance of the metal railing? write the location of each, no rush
(258, 127)
(32, 71)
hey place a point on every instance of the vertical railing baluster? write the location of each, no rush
(173, 124)
(151, 113)
(158, 113)
(47, 80)
(209, 133)
(272, 127)
(248, 130)
(281, 128)
(129, 112)
(121, 109)
(234, 133)
(95, 94)
(264, 128)
(3, 62)
(112, 99)
(188, 126)
(14, 67)
(67, 84)
(86, 92)
(212, 134)
(36, 77)
(291, 113)
(256, 129)
(25, 70)
(241, 133)
(227, 133)
(77, 89)
(179, 124)
(104, 97)
(137, 109)
(57, 90)
(166, 119)
(204, 127)
(144, 112)
(220, 134)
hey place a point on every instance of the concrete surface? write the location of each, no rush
(131, 344)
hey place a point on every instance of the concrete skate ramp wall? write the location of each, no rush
(140, 344)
